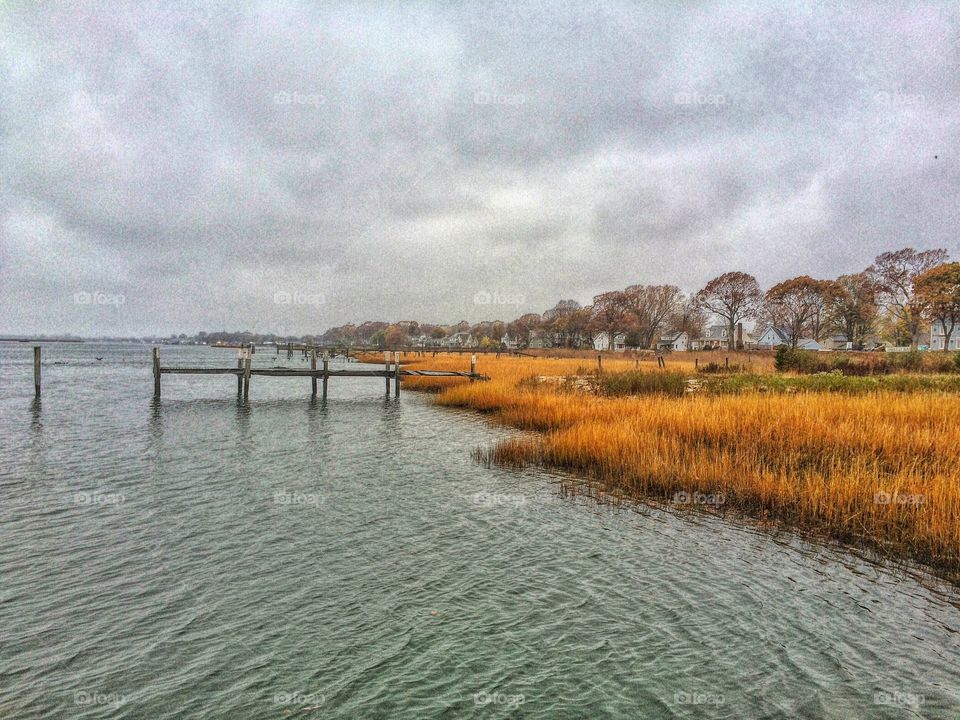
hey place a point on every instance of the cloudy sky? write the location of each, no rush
(291, 167)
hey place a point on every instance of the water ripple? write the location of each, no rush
(208, 558)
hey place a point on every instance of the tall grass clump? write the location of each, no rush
(643, 383)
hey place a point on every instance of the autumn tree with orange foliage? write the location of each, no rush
(938, 296)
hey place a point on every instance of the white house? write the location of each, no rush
(601, 341)
(539, 340)
(938, 337)
(426, 341)
(715, 337)
(509, 343)
(677, 342)
(461, 339)
(775, 336)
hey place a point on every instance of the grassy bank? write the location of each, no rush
(870, 460)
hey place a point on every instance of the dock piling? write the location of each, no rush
(247, 363)
(239, 374)
(386, 358)
(396, 374)
(156, 371)
(36, 371)
(326, 369)
(313, 378)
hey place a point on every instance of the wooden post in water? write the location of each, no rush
(396, 374)
(247, 363)
(36, 371)
(313, 378)
(240, 367)
(156, 373)
(386, 359)
(326, 367)
(473, 367)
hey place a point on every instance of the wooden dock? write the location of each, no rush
(244, 371)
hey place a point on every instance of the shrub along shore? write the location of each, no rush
(867, 460)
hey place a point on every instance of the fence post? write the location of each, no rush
(473, 367)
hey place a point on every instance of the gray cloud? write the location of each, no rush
(398, 160)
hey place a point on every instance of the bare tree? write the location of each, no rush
(523, 326)
(851, 306)
(894, 273)
(793, 304)
(734, 297)
(651, 306)
(688, 318)
(610, 314)
(558, 321)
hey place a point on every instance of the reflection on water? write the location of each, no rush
(204, 556)
(36, 423)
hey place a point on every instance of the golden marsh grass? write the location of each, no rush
(880, 467)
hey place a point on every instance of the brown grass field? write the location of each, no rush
(878, 468)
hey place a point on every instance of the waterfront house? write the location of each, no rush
(938, 338)
(601, 341)
(776, 336)
(539, 340)
(674, 342)
(716, 337)
(461, 340)
(838, 342)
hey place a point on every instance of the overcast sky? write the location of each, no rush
(287, 167)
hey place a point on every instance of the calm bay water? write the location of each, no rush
(206, 558)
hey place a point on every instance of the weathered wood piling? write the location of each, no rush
(36, 371)
(326, 372)
(396, 375)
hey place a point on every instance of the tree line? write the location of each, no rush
(896, 298)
